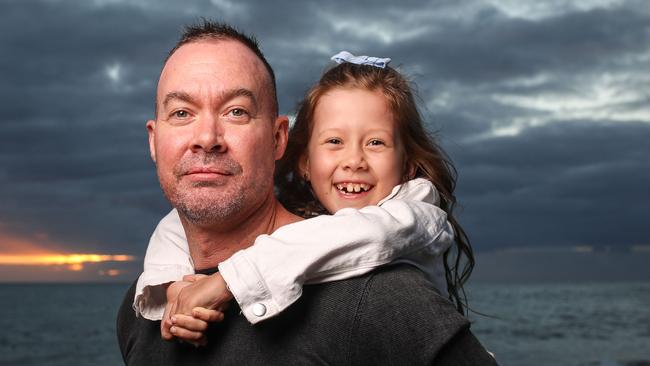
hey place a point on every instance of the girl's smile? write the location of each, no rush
(354, 157)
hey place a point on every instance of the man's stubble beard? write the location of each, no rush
(208, 208)
(208, 203)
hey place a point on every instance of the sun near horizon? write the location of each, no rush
(29, 260)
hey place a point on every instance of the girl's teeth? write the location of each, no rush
(352, 187)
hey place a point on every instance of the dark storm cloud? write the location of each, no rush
(569, 183)
(77, 83)
(73, 147)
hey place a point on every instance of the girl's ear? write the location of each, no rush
(303, 167)
(410, 170)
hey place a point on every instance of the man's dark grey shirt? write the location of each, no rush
(391, 316)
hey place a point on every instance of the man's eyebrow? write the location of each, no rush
(225, 95)
(178, 95)
(241, 92)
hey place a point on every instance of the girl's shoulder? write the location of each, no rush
(418, 189)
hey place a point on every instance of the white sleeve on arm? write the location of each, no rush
(267, 277)
(167, 260)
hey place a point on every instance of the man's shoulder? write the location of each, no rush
(393, 286)
(401, 277)
(401, 316)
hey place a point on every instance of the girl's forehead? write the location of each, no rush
(350, 104)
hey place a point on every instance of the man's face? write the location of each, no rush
(215, 138)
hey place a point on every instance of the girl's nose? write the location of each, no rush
(355, 160)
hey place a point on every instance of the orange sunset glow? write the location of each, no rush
(75, 262)
(38, 258)
(59, 259)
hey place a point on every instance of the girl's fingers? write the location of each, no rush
(196, 338)
(193, 277)
(190, 323)
(211, 316)
(165, 324)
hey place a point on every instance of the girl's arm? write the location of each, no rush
(167, 260)
(267, 277)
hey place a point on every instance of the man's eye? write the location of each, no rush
(180, 114)
(237, 112)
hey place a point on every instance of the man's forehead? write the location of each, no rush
(214, 64)
(212, 55)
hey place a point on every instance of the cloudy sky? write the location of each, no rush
(544, 106)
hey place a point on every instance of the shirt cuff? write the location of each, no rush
(150, 296)
(249, 289)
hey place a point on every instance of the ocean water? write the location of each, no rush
(59, 324)
(598, 324)
(593, 324)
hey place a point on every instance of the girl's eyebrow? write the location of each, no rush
(329, 131)
(380, 131)
(340, 129)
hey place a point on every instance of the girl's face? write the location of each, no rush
(354, 157)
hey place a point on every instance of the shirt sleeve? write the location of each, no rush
(268, 277)
(167, 260)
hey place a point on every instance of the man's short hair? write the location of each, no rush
(208, 29)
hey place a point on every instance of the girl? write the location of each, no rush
(359, 151)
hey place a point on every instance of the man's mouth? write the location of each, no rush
(206, 176)
(207, 171)
(353, 188)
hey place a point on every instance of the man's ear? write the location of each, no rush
(151, 130)
(281, 135)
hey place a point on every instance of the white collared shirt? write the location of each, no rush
(267, 277)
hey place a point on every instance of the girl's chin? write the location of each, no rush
(345, 201)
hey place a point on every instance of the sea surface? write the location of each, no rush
(599, 324)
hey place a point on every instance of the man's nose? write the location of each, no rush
(355, 158)
(208, 135)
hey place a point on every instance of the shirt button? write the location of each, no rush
(259, 309)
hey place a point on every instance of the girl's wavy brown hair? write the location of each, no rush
(422, 154)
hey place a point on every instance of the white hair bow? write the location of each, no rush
(345, 56)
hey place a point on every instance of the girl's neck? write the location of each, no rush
(211, 245)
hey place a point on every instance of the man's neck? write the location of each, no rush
(210, 245)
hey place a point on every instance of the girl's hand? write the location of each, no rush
(209, 292)
(170, 308)
(192, 329)
(172, 292)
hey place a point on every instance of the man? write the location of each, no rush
(215, 139)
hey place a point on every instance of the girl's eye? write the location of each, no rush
(334, 141)
(376, 142)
